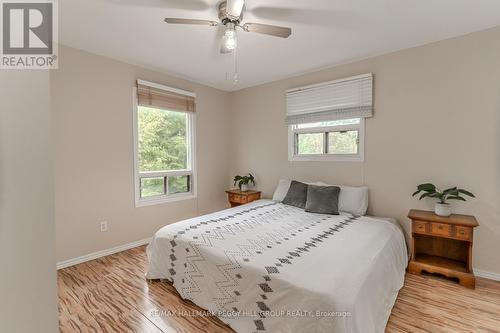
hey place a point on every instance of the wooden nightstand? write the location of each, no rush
(443, 245)
(237, 197)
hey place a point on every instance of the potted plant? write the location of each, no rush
(442, 207)
(244, 181)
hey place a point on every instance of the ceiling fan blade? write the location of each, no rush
(170, 4)
(171, 20)
(266, 29)
(234, 7)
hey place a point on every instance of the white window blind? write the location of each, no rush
(340, 99)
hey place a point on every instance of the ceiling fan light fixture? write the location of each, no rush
(229, 39)
(231, 17)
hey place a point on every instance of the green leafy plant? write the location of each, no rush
(429, 190)
(244, 180)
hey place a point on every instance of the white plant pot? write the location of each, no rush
(442, 209)
(244, 187)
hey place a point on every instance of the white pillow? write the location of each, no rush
(353, 200)
(281, 190)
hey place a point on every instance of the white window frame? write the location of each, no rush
(293, 130)
(191, 161)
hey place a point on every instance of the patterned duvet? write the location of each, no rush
(269, 267)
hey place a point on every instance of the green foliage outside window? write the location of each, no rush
(162, 140)
(151, 187)
(345, 142)
(163, 146)
(310, 143)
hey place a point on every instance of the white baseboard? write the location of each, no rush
(103, 253)
(487, 275)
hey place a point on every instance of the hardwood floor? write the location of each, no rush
(111, 295)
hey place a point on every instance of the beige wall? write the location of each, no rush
(94, 175)
(437, 118)
(27, 238)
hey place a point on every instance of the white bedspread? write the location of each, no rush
(268, 267)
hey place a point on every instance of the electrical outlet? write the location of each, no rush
(104, 226)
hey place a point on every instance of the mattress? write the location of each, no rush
(269, 267)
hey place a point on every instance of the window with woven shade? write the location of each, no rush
(164, 143)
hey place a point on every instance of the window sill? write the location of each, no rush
(325, 158)
(163, 199)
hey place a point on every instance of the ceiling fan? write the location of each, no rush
(231, 16)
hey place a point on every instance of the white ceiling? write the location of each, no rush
(325, 32)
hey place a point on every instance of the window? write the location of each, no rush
(340, 140)
(164, 147)
(326, 121)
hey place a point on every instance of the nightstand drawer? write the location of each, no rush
(464, 233)
(238, 198)
(440, 229)
(420, 227)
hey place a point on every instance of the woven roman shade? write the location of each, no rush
(335, 100)
(161, 97)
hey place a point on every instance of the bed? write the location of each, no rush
(269, 267)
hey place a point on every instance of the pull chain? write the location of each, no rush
(235, 77)
(235, 67)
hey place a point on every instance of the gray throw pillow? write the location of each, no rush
(296, 195)
(323, 199)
